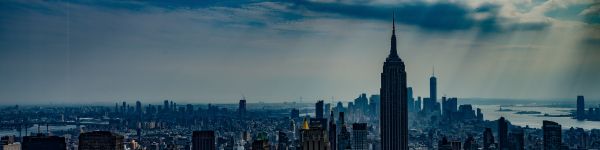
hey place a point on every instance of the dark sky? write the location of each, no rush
(215, 51)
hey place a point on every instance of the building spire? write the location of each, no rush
(393, 23)
(393, 52)
(433, 71)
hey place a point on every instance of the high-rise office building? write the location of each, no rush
(374, 101)
(359, 136)
(449, 106)
(319, 109)
(394, 113)
(361, 104)
(166, 107)
(41, 141)
(411, 99)
(433, 87)
(203, 140)
(580, 108)
(552, 135)
(100, 140)
(332, 130)
(418, 104)
(138, 108)
(327, 109)
(343, 139)
(502, 134)
(479, 114)
(315, 137)
(516, 139)
(124, 108)
(488, 138)
(242, 107)
(429, 105)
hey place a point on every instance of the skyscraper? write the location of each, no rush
(394, 114)
(374, 101)
(517, 139)
(242, 107)
(166, 106)
(359, 136)
(319, 109)
(315, 137)
(332, 132)
(433, 87)
(488, 138)
(449, 105)
(343, 139)
(138, 108)
(552, 135)
(100, 140)
(411, 99)
(502, 134)
(479, 114)
(418, 104)
(203, 140)
(580, 108)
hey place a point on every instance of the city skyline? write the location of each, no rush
(284, 50)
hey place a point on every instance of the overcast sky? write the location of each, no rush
(214, 51)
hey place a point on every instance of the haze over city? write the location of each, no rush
(215, 51)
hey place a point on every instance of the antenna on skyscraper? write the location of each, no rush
(433, 70)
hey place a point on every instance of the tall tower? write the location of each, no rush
(433, 86)
(502, 134)
(242, 107)
(394, 114)
(580, 108)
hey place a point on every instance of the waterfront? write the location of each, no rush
(34, 129)
(535, 120)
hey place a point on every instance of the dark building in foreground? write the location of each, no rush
(488, 139)
(516, 140)
(41, 141)
(552, 135)
(394, 113)
(203, 140)
(315, 136)
(502, 134)
(359, 136)
(100, 140)
(332, 132)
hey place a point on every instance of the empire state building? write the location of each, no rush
(394, 115)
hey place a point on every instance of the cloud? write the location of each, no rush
(435, 16)
(429, 15)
